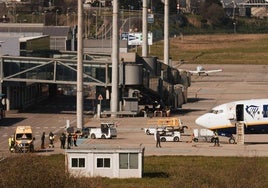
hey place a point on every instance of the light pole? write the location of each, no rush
(129, 23)
(122, 14)
(1, 66)
(44, 19)
(67, 16)
(57, 16)
(79, 94)
(233, 10)
(33, 13)
(99, 7)
(105, 30)
(86, 25)
(130, 8)
(166, 32)
(1, 42)
(145, 28)
(234, 27)
(16, 18)
(234, 23)
(96, 24)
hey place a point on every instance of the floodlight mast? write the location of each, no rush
(145, 28)
(79, 95)
(166, 33)
(115, 60)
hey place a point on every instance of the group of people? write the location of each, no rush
(70, 138)
(51, 137)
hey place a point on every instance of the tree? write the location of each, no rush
(212, 11)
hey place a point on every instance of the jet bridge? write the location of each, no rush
(57, 71)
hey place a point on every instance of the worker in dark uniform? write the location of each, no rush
(43, 140)
(75, 139)
(216, 139)
(62, 141)
(157, 138)
(69, 141)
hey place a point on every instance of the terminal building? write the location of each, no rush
(36, 67)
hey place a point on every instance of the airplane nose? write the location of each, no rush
(202, 121)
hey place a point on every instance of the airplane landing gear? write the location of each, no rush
(232, 140)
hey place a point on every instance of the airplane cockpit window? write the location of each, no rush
(216, 111)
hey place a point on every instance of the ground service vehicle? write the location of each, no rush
(163, 124)
(204, 134)
(170, 136)
(85, 132)
(107, 130)
(24, 140)
(151, 130)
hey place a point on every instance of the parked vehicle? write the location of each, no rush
(164, 124)
(84, 133)
(24, 140)
(151, 130)
(203, 134)
(107, 130)
(170, 136)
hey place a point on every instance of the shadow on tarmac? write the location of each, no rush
(7, 121)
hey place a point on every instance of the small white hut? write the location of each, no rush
(105, 162)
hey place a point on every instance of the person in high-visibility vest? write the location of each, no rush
(51, 140)
(11, 143)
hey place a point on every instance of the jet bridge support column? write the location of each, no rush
(240, 132)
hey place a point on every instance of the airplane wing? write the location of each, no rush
(196, 72)
(212, 71)
(205, 71)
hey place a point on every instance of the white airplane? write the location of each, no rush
(253, 113)
(201, 70)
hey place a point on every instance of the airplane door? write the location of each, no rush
(265, 111)
(240, 112)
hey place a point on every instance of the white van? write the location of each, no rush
(24, 140)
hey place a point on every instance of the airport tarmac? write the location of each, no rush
(236, 82)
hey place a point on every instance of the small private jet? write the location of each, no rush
(200, 70)
(223, 118)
